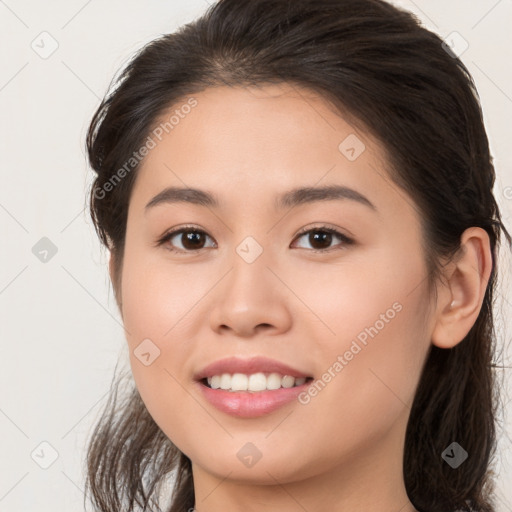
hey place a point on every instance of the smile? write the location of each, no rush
(252, 404)
(255, 382)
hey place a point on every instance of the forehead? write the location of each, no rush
(262, 140)
(244, 122)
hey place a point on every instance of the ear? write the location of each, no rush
(460, 299)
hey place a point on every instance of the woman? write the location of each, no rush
(297, 197)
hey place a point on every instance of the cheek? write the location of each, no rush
(370, 329)
(158, 296)
(154, 313)
(149, 304)
(361, 296)
(160, 315)
(368, 376)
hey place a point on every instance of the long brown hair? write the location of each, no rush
(389, 76)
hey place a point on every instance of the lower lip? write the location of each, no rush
(245, 404)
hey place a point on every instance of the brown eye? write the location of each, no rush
(321, 239)
(185, 240)
(192, 240)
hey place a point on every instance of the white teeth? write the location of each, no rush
(257, 382)
(239, 382)
(288, 381)
(225, 381)
(254, 382)
(274, 381)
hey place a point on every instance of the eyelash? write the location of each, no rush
(322, 229)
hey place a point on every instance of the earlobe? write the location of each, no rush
(460, 300)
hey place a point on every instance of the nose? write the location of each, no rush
(251, 299)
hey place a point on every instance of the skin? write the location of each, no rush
(344, 449)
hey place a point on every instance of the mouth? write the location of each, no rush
(253, 383)
(252, 395)
(251, 388)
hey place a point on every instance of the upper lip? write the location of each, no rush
(258, 364)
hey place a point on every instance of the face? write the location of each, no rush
(333, 286)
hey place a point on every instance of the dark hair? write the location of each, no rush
(388, 76)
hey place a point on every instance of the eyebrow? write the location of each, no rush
(289, 199)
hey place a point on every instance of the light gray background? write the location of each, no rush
(61, 334)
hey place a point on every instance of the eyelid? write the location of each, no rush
(325, 227)
(175, 231)
(328, 228)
